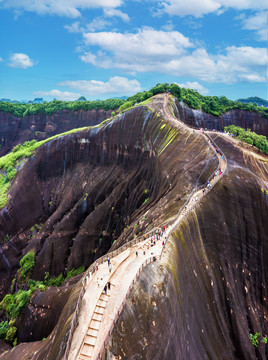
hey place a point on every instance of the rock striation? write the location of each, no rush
(16, 130)
(210, 290)
(199, 119)
(93, 190)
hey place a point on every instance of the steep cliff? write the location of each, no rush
(246, 119)
(93, 190)
(210, 290)
(16, 130)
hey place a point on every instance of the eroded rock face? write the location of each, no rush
(16, 130)
(199, 119)
(85, 190)
(210, 290)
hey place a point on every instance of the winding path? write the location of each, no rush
(99, 311)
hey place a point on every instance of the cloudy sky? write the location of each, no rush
(104, 48)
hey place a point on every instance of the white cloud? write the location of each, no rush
(195, 86)
(20, 61)
(1, 60)
(116, 86)
(171, 53)
(244, 4)
(97, 23)
(199, 8)
(69, 8)
(257, 22)
(115, 12)
(60, 95)
(196, 8)
(145, 46)
(74, 27)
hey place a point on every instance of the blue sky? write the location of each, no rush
(104, 48)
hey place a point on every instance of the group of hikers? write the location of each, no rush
(159, 234)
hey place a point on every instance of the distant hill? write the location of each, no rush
(35, 101)
(254, 99)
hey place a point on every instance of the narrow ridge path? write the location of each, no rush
(100, 311)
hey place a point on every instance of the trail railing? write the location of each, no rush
(90, 271)
(146, 262)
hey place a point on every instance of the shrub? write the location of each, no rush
(54, 281)
(11, 333)
(3, 329)
(75, 272)
(248, 136)
(13, 303)
(26, 266)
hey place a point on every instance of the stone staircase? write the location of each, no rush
(94, 325)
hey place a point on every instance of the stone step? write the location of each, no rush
(104, 297)
(87, 350)
(90, 340)
(92, 332)
(94, 324)
(84, 357)
(97, 317)
(99, 309)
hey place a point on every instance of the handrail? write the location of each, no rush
(146, 262)
(122, 248)
(92, 269)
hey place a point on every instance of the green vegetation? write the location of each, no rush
(254, 99)
(255, 341)
(217, 105)
(26, 266)
(250, 137)
(22, 110)
(210, 104)
(13, 304)
(142, 98)
(57, 281)
(8, 332)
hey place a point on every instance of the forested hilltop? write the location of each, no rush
(209, 104)
(254, 99)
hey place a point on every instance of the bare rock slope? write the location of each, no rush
(88, 189)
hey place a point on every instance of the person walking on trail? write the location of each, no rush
(110, 267)
(98, 282)
(96, 266)
(137, 254)
(109, 285)
(108, 261)
(105, 289)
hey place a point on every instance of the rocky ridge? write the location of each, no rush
(149, 165)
